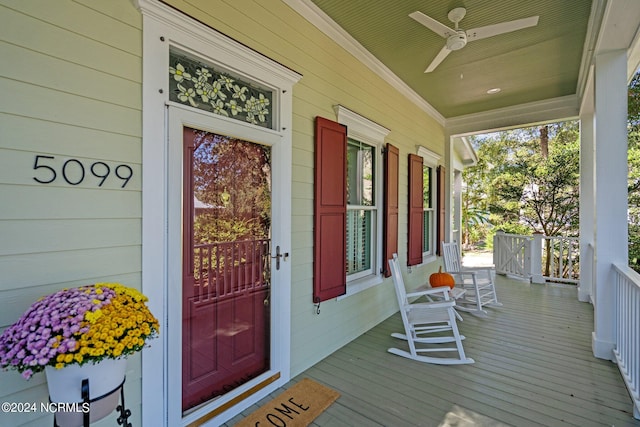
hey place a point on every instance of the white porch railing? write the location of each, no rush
(512, 254)
(627, 345)
(560, 258)
(542, 258)
(538, 258)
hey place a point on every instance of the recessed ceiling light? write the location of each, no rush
(494, 90)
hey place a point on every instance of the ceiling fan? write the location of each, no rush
(458, 38)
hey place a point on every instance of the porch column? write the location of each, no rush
(587, 195)
(457, 206)
(449, 167)
(610, 210)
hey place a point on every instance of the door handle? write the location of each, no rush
(279, 255)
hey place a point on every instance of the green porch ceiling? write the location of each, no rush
(531, 64)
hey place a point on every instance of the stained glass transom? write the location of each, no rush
(201, 86)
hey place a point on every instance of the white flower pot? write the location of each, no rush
(65, 386)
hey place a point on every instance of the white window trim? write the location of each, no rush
(163, 27)
(369, 132)
(431, 159)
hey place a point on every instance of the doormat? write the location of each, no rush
(297, 406)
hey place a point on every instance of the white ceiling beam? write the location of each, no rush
(549, 110)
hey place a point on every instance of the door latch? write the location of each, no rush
(279, 255)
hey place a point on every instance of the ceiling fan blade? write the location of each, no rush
(435, 26)
(504, 27)
(438, 59)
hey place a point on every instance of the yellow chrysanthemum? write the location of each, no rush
(93, 316)
(118, 328)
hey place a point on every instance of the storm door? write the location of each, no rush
(226, 264)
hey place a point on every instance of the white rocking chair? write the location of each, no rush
(428, 324)
(478, 282)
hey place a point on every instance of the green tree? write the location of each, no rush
(528, 179)
(475, 205)
(633, 159)
(525, 191)
(474, 221)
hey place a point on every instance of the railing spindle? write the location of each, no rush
(627, 346)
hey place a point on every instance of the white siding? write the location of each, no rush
(70, 80)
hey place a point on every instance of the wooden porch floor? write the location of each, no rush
(534, 367)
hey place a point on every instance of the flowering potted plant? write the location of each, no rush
(77, 328)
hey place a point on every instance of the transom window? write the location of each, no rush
(200, 85)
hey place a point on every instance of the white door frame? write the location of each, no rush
(164, 27)
(180, 117)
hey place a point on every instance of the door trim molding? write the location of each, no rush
(163, 27)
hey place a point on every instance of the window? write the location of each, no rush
(365, 141)
(348, 205)
(430, 204)
(428, 216)
(362, 209)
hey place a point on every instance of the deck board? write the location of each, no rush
(534, 367)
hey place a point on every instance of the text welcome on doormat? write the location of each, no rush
(297, 406)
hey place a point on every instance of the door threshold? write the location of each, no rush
(220, 409)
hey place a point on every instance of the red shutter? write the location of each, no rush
(390, 226)
(441, 209)
(330, 211)
(416, 210)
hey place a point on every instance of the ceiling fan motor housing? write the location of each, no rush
(457, 41)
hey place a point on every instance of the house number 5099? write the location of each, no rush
(73, 171)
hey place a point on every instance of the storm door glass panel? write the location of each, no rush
(226, 264)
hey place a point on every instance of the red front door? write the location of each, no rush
(226, 264)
